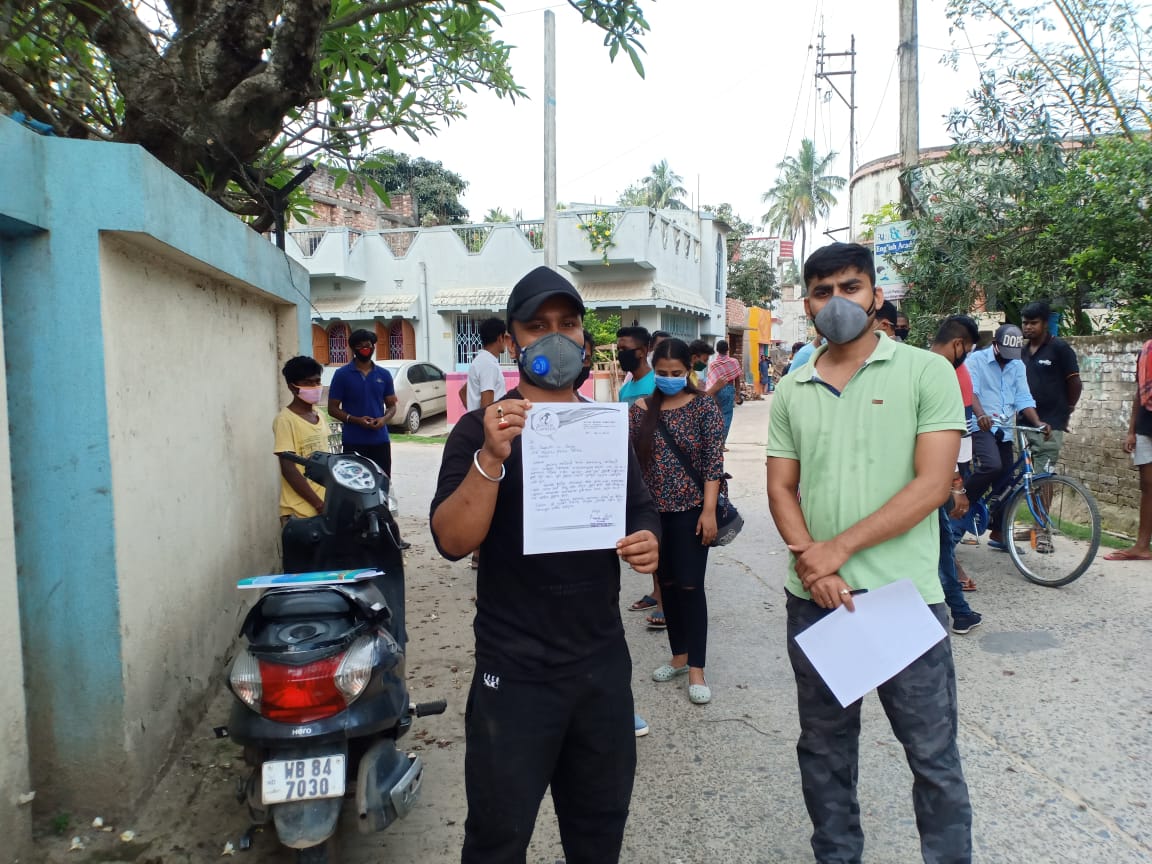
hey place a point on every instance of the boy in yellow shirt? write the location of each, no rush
(300, 429)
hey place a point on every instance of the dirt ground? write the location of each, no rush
(193, 813)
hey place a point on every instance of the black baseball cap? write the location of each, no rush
(1010, 341)
(534, 289)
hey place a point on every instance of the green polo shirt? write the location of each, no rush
(856, 450)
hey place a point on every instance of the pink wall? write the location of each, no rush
(511, 379)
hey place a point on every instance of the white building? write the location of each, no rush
(424, 291)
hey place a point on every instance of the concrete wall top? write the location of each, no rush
(71, 185)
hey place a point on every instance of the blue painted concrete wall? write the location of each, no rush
(56, 196)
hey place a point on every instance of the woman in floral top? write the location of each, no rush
(679, 410)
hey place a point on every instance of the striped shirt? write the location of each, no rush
(724, 368)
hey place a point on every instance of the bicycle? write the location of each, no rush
(1055, 516)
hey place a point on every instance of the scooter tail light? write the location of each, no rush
(301, 694)
(245, 680)
(355, 669)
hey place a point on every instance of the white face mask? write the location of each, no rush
(311, 395)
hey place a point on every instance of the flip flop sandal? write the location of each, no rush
(656, 621)
(971, 541)
(968, 585)
(1125, 555)
(645, 602)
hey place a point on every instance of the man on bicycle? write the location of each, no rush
(999, 392)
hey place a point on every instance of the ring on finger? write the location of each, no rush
(500, 411)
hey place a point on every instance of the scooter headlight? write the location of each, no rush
(393, 501)
(353, 476)
(355, 669)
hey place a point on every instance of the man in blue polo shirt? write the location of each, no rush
(363, 398)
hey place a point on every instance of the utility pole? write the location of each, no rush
(850, 101)
(909, 105)
(550, 252)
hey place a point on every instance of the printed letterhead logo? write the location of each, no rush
(491, 681)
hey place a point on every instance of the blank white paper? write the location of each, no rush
(855, 652)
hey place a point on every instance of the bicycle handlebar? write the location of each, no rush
(1039, 429)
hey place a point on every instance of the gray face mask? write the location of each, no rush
(841, 320)
(552, 362)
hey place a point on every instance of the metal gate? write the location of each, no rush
(469, 343)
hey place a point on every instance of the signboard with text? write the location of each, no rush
(892, 243)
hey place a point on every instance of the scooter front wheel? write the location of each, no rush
(325, 853)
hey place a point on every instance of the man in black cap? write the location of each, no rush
(551, 698)
(999, 392)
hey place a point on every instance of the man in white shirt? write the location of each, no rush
(485, 382)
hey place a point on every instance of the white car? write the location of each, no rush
(421, 391)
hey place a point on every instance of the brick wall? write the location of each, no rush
(1094, 448)
(345, 207)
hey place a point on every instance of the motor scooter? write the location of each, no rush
(321, 699)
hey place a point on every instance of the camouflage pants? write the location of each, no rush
(921, 706)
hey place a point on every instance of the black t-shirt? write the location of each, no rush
(1049, 369)
(539, 616)
(1143, 421)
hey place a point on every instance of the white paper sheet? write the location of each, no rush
(575, 476)
(855, 652)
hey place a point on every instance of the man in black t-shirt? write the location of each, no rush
(1053, 378)
(551, 698)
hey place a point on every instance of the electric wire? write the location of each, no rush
(803, 80)
(883, 97)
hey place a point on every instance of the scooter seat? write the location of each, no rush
(279, 605)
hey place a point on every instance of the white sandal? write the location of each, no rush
(699, 694)
(667, 672)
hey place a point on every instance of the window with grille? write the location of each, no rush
(720, 264)
(338, 351)
(396, 340)
(680, 326)
(468, 341)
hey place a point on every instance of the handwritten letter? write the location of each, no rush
(575, 476)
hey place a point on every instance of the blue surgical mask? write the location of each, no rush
(670, 386)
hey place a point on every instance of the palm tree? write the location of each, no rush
(662, 187)
(802, 194)
(497, 214)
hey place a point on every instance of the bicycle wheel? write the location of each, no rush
(1054, 530)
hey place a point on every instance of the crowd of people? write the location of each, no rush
(551, 691)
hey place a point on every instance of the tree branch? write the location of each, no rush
(983, 4)
(371, 9)
(26, 99)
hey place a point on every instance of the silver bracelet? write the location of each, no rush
(483, 473)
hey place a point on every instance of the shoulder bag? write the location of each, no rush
(729, 522)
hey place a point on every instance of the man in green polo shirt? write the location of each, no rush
(862, 444)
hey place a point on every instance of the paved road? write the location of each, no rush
(1056, 713)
